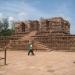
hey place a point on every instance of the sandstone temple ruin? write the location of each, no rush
(46, 34)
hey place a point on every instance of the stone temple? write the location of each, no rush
(54, 25)
(46, 34)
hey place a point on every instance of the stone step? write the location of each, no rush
(40, 46)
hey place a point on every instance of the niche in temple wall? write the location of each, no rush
(24, 27)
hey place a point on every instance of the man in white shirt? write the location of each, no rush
(30, 48)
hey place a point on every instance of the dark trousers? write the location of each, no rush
(31, 51)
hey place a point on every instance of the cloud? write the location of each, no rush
(10, 18)
(1, 15)
(23, 14)
(30, 12)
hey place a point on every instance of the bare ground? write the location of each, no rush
(43, 63)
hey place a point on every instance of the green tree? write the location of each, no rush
(4, 28)
(1, 26)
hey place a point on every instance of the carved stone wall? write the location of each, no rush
(21, 27)
(56, 24)
(53, 33)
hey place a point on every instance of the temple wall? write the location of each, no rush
(53, 33)
(51, 25)
(66, 42)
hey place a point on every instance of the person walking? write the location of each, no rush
(30, 48)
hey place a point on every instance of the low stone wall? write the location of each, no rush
(19, 45)
(4, 40)
(63, 42)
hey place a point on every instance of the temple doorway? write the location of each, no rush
(23, 27)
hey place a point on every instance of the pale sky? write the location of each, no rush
(34, 9)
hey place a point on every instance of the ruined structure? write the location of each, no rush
(27, 26)
(47, 34)
(56, 24)
(53, 33)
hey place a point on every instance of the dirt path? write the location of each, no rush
(28, 37)
(43, 63)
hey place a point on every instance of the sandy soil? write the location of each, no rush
(43, 63)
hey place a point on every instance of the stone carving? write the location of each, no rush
(56, 24)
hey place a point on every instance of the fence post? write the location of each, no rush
(5, 52)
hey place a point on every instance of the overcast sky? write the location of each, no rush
(34, 9)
